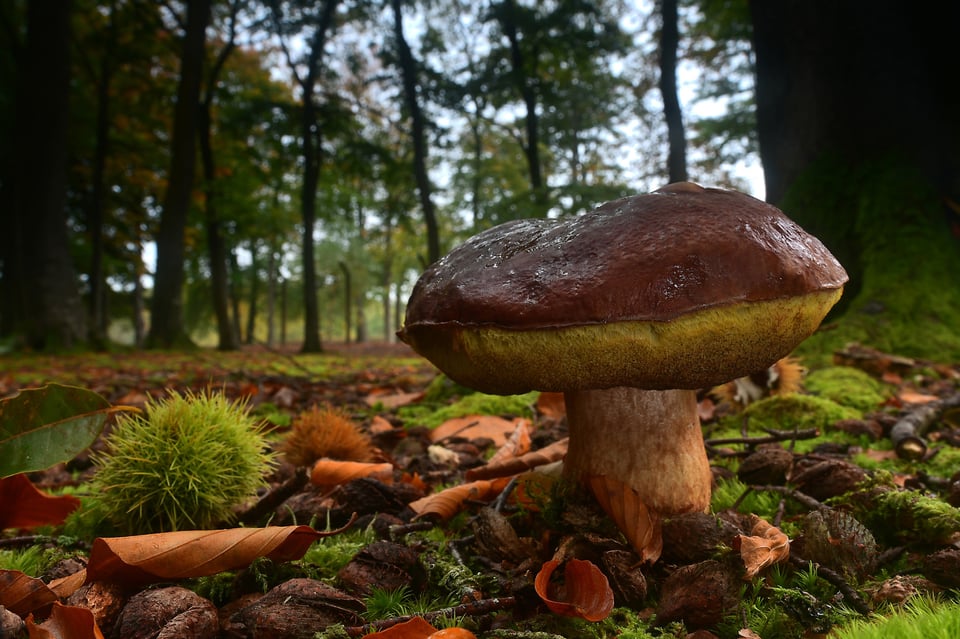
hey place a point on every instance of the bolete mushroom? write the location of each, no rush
(628, 310)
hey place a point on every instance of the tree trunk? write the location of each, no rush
(529, 96)
(856, 79)
(271, 295)
(41, 290)
(408, 71)
(860, 143)
(669, 41)
(254, 296)
(166, 310)
(347, 299)
(227, 339)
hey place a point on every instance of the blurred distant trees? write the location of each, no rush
(227, 171)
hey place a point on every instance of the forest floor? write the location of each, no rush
(832, 505)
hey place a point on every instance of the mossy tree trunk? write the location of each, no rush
(860, 142)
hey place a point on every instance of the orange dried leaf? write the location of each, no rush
(65, 622)
(23, 594)
(26, 507)
(332, 472)
(642, 526)
(585, 591)
(507, 467)
(496, 429)
(913, 397)
(415, 628)
(453, 633)
(391, 400)
(766, 545)
(144, 559)
(551, 405)
(449, 501)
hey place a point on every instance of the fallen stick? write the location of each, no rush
(907, 434)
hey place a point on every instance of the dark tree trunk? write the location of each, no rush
(166, 310)
(98, 195)
(41, 292)
(254, 296)
(528, 94)
(857, 109)
(408, 71)
(310, 134)
(227, 338)
(856, 79)
(347, 299)
(669, 41)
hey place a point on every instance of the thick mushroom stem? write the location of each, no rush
(642, 454)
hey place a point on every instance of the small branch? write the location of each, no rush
(794, 494)
(849, 593)
(907, 434)
(774, 436)
(275, 497)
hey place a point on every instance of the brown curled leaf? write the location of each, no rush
(585, 591)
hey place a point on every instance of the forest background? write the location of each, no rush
(297, 164)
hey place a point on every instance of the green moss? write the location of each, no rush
(920, 618)
(897, 516)
(846, 386)
(885, 224)
(790, 412)
(473, 404)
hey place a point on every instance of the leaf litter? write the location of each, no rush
(813, 524)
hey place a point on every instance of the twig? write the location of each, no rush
(275, 497)
(774, 436)
(794, 494)
(472, 608)
(852, 596)
(907, 433)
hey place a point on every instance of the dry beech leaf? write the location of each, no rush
(766, 545)
(418, 628)
(390, 400)
(517, 444)
(65, 622)
(540, 457)
(22, 593)
(143, 559)
(380, 424)
(585, 592)
(489, 427)
(641, 526)
(551, 405)
(913, 397)
(26, 507)
(334, 472)
(448, 502)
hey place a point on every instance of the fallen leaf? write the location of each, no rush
(449, 501)
(746, 633)
(517, 444)
(551, 405)
(334, 472)
(22, 593)
(642, 526)
(496, 429)
(415, 628)
(26, 507)
(391, 401)
(585, 591)
(764, 546)
(65, 622)
(527, 461)
(143, 559)
(913, 397)
(453, 633)
(380, 424)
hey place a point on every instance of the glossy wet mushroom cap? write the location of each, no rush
(684, 287)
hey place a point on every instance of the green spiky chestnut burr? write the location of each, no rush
(185, 464)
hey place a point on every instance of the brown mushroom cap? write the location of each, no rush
(684, 287)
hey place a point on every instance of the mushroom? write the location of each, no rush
(628, 310)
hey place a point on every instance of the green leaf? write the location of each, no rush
(44, 426)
